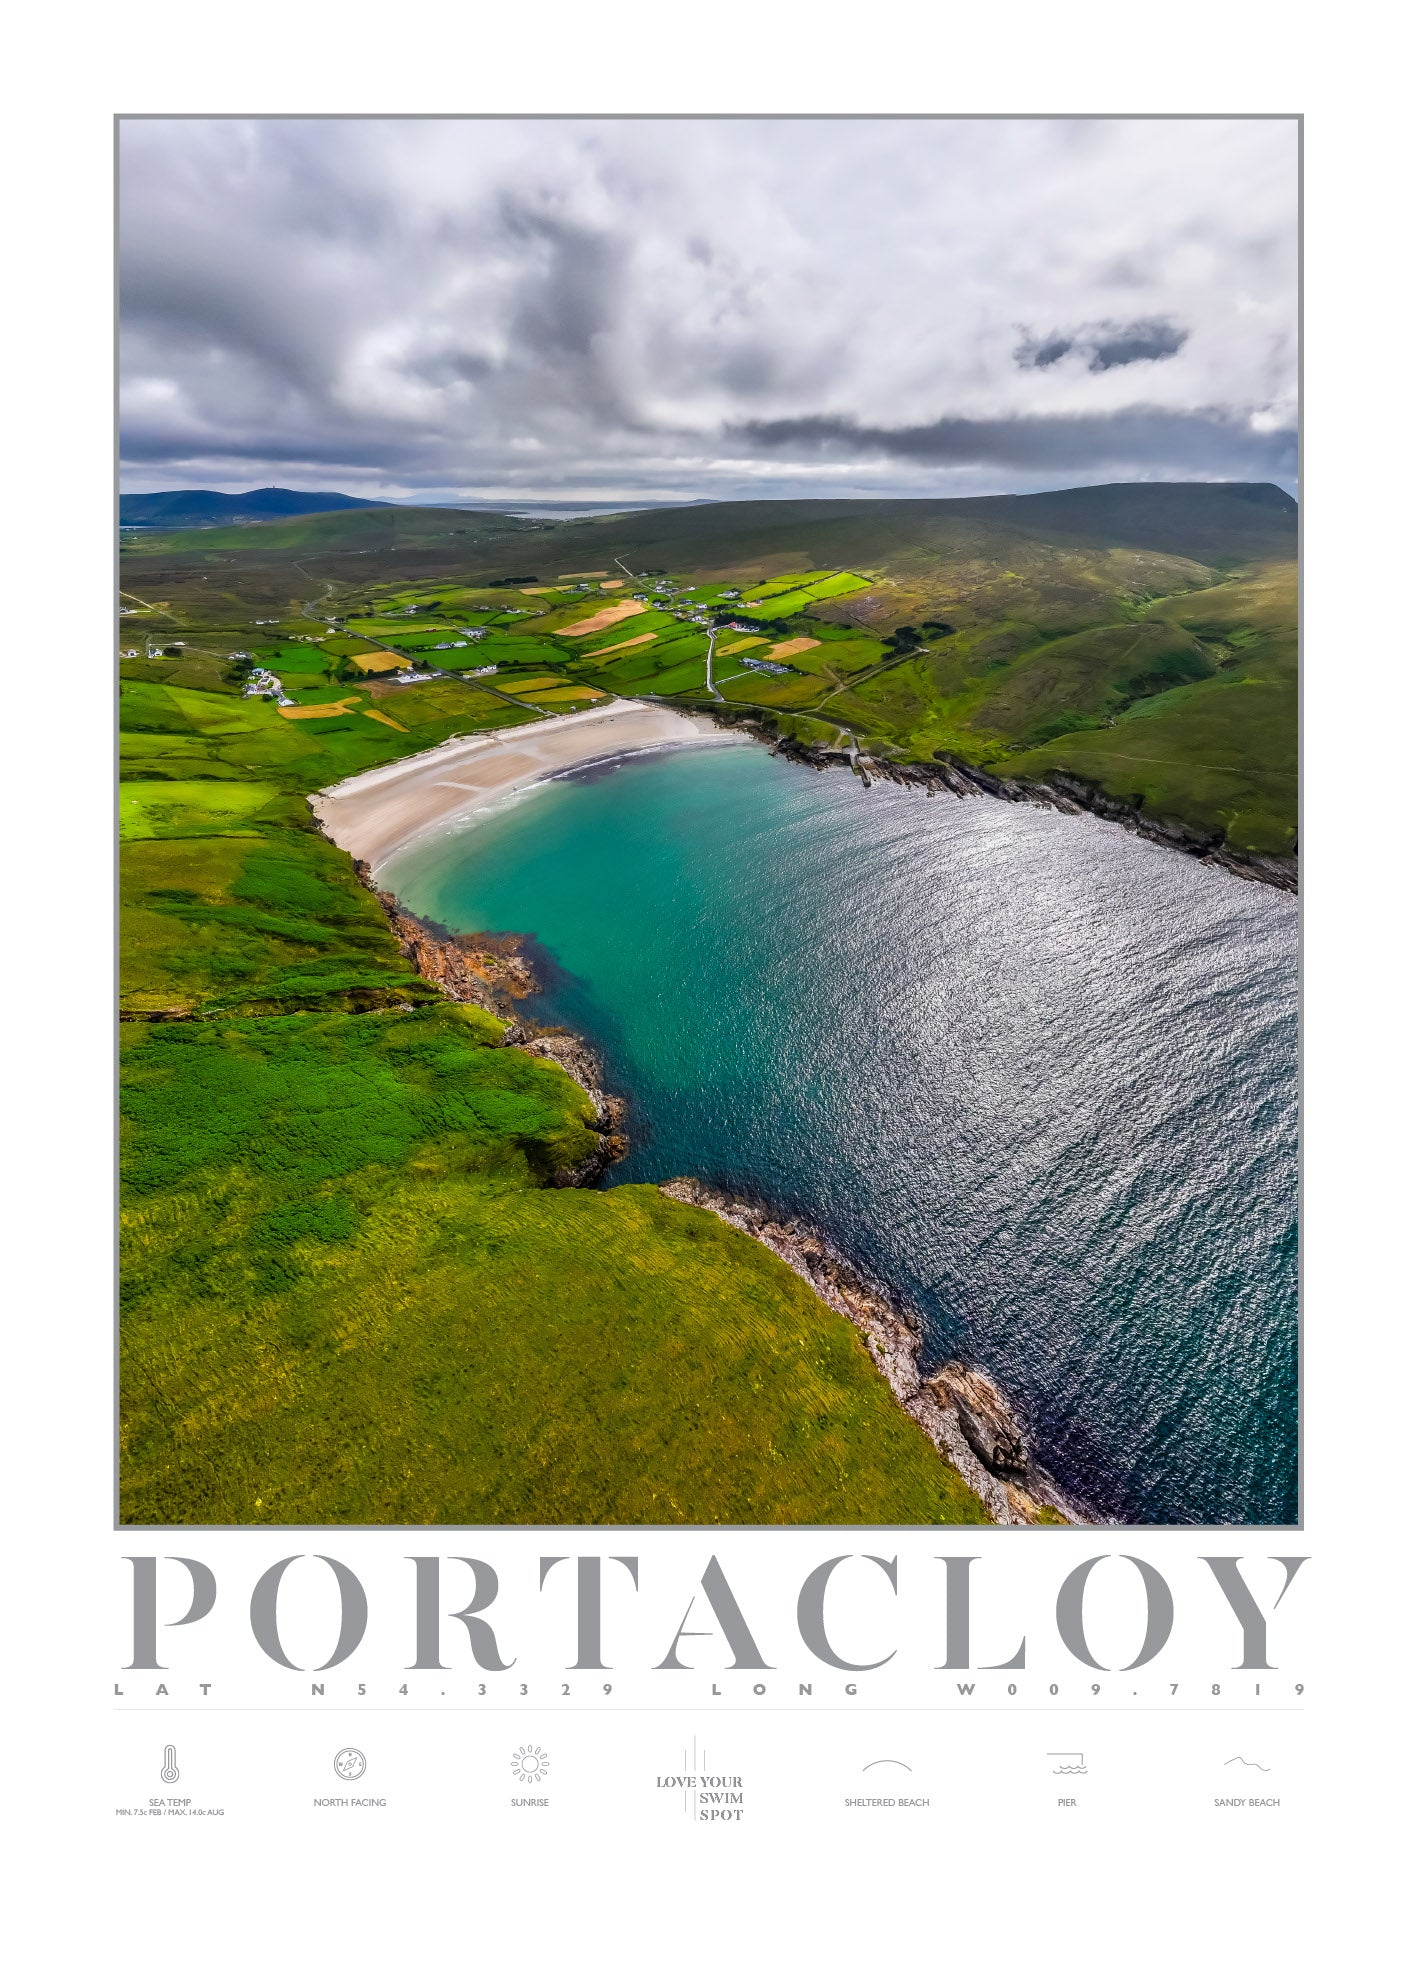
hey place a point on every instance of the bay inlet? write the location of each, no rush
(1033, 1072)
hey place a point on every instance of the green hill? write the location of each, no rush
(1139, 637)
(180, 508)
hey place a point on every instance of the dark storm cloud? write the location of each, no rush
(1105, 345)
(1204, 442)
(463, 309)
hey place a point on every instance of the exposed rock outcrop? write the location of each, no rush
(962, 1410)
(492, 971)
(582, 1064)
(478, 970)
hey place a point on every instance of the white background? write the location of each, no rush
(614, 1883)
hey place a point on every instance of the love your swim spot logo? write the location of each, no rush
(708, 1797)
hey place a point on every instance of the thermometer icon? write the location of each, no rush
(169, 1772)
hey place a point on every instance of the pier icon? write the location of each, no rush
(1071, 1763)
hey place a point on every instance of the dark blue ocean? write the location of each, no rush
(1036, 1074)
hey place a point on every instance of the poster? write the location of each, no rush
(708, 1064)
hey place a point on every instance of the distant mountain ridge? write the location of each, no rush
(183, 508)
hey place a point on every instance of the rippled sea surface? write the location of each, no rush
(1036, 1074)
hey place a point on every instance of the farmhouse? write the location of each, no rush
(261, 682)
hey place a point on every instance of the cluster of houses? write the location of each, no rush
(261, 682)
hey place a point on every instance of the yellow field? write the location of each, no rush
(378, 716)
(378, 662)
(573, 693)
(536, 682)
(785, 648)
(608, 616)
(736, 647)
(341, 708)
(584, 575)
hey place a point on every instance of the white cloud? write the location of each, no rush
(402, 307)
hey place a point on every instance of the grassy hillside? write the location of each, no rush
(348, 1295)
(1141, 637)
(347, 1299)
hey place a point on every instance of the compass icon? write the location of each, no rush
(350, 1764)
(530, 1764)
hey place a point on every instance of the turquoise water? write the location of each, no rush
(1038, 1075)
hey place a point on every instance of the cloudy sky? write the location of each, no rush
(652, 310)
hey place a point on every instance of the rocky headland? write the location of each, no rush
(964, 1413)
(1063, 791)
(494, 971)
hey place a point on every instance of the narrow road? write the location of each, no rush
(708, 678)
(308, 606)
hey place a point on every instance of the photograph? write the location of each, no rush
(708, 822)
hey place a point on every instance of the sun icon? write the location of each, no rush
(530, 1764)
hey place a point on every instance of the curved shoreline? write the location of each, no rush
(376, 814)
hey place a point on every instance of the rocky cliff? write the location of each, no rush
(1064, 792)
(961, 1409)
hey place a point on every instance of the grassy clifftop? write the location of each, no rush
(348, 1300)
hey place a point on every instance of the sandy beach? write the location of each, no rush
(378, 812)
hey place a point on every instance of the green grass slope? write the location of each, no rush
(348, 1299)
(1221, 748)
